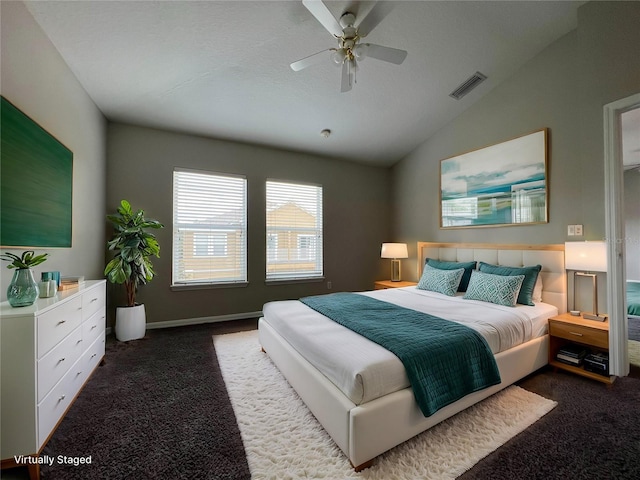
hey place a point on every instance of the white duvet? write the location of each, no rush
(362, 369)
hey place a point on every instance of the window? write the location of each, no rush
(294, 231)
(209, 228)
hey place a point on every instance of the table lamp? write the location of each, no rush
(586, 258)
(395, 251)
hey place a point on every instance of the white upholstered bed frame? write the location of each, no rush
(365, 431)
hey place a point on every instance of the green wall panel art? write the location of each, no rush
(36, 182)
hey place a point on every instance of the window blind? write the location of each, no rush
(209, 228)
(294, 231)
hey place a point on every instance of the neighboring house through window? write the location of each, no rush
(294, 231)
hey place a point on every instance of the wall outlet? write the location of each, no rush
(578, 230)
(329, 286)
(571, 230)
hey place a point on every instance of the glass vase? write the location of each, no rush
(23, 289)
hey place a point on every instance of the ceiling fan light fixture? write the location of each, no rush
(339, 55)
(360, 51)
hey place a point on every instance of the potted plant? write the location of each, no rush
(23, 289)
(133, 246)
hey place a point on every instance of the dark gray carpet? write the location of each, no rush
(158, 409)
(634, 329)
(593, 433)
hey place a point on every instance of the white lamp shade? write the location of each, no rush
(585, 256)
(394, 250)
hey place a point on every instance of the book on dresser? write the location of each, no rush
(572, 354)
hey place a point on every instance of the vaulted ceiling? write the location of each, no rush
(221, 68)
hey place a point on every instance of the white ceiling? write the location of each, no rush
(221, 69)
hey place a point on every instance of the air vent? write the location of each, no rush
(469, 84)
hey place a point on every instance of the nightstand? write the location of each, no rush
(565, 329)
(384, 284)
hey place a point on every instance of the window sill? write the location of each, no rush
(207, 286)
(290, 281)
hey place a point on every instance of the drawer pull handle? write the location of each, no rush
(576, 334)
(62, 397)
(79, 308)
(93, 355)
(79, 373)
(79, 341)
(94, 299)
(61, 322)
(61, 360)
(93, 327)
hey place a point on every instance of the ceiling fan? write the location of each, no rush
(350, 50)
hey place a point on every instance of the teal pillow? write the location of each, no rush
(525, 297)
(498, 289)
(441, 281)
(468, 268)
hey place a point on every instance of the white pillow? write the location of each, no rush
(537, 290)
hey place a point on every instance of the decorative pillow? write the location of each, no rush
(441, 281)
(498, 289)
(525, 297)
(468, 268)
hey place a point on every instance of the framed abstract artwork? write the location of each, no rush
(498, 185)
(36, 183)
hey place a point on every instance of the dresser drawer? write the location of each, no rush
(56, 324)
(579, 333)
(54, 404)
(92, 327)
(57, 362)
(93, 301)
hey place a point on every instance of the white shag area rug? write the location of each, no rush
(283, 440)
(634, 353)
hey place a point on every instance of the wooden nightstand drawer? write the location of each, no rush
(579, 333)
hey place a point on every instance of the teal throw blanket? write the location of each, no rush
(444, 360)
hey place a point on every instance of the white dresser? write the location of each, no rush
(48, 350)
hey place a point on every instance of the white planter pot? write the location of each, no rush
(131, 323)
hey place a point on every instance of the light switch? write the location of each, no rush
(578, 230)
(571, 230)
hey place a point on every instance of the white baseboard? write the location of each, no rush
(199, 320)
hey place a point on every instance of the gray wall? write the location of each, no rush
(564, 88)
(38, 81)
(632, 222)
(356, 212)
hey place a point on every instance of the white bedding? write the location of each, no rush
(363, 370)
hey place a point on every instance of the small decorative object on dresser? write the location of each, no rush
(23, 289)
(131, 265)
(572, 336)
(48, 351)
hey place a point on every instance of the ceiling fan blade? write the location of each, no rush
(374, 17)
(324, 16)
(310, 60)
(346, 83)
(386, 54)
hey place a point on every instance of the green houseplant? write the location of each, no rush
(23, 289)
(131, 265)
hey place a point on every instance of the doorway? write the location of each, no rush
(615, 230)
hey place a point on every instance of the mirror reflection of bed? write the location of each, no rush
(631, 160)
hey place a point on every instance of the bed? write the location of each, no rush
(368, 417)
(633, 298)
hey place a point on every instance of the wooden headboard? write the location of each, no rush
(551, 257)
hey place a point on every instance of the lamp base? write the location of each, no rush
(395, 270)
(597, 318)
